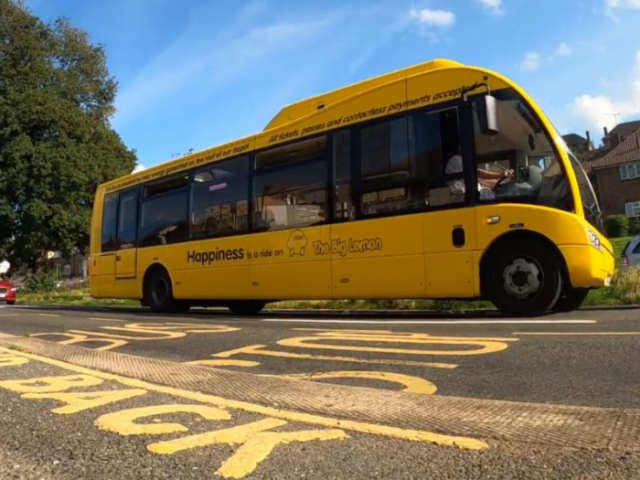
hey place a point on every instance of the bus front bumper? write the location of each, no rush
(588, 267)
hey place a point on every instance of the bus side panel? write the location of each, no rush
(96, 268)
(216, 269)
(450, 239)
(381, 258)
(290, 264)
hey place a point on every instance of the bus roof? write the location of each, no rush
(310, 105)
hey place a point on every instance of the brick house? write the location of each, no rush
(616, 173)
(578, 144)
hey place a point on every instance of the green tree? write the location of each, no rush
(56, 142)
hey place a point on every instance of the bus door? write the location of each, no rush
(377, 248)
(126, 253)
(449, 226)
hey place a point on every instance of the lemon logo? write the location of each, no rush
(297, 243)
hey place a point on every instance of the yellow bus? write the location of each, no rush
(438, 181)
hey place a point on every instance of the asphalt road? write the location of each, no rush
(587, 358)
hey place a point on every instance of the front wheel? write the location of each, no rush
(571, 300)
(246, 307)
(11, 302)
(523, 278)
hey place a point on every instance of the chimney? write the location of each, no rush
(606, 139)
(589, 144)
(606, 132)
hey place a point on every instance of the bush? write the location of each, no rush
(626, 286)
(617, 226)
(41, 281)
(634, 226)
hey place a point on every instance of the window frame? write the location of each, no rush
(630, 171)
(104, 203)
(465, 122)
(136, 189)
(326, 157)
(250, 159)
(143, 198)
(630, 207)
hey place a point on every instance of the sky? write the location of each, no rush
(194, 74)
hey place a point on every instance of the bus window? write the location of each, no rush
(291, 197)
(436, 145)
(520, 163)
(128, 220)
(303, 150)
(342, 175)
(109, 222)
(219, 199)
(163, 218)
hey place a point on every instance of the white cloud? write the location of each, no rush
(531, 62)
(139, 168)
(623, 3)
(606, 110)
(563, 50)
(433, 18)
(494, 6)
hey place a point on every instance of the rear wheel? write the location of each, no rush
(246, 307)
(159, 293)
(523, 277)
(11, 302)
(571, 300)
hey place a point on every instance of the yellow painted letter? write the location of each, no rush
(122, 422)
(77, 402)
(50, 384)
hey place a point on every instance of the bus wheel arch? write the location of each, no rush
(523, 273)
(157, 290)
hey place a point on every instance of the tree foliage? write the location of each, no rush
(56, 142)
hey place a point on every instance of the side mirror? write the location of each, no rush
(487, 106)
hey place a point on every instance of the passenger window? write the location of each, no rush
(637, 249)
(436, 146)
(342, 175)
(128, 220)
(294, 195)
(403, 164)
(109, 222)
(163, 218)
(220, 199)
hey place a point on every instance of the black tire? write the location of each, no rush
(11, 302)
(246, 307)
(523, 277)
(158, 292)
(571, 300)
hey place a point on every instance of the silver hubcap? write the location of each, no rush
(522, 278)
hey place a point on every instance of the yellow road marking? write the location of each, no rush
(579, 334)
(77, 338)
(394, 432)
(259, 350)
(161, 331)
(122, 422)
(100, 319)
(314, 342)
(9, 360)
(47, 315)
(79, 401)
(225, 363)
(339, 332)
(50, 384)
(256, 443)
(412, 384)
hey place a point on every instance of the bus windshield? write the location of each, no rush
(524, 147)
(592, 211)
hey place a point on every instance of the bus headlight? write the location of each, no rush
(594, 239)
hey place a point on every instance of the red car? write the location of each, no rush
(7, 293)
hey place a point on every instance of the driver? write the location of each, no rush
(486, 178)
